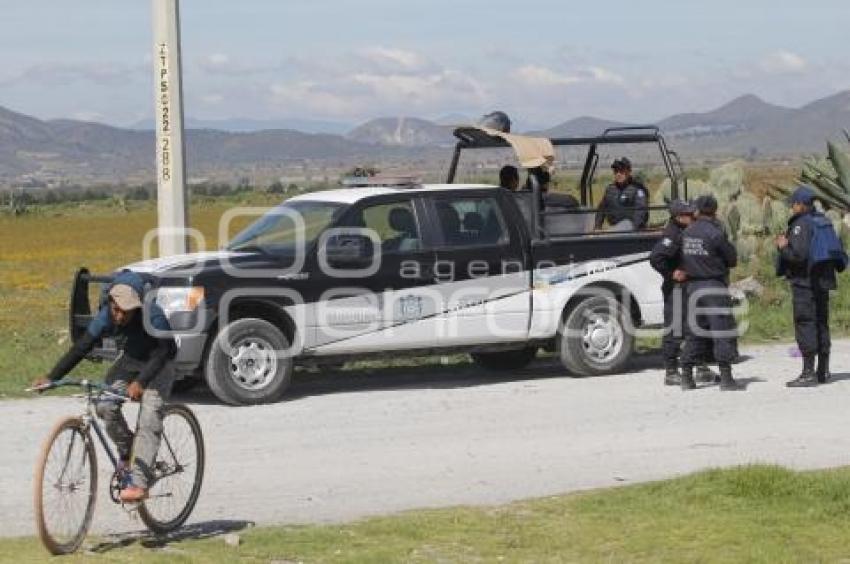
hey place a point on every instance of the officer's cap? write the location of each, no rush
(706, 204)
(681, 207)
(621, 164)
(802, 195)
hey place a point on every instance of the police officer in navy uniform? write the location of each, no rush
(666, 258)
(625, 203)
(810, 286)
(707, 257)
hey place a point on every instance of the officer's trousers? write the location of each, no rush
(710, 326)
(811, 319)
(675, 320)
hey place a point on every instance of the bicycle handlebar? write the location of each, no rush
(87, 384)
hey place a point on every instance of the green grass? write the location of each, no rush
(746, 514)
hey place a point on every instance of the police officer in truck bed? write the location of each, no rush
(625, 203)
(707, 256)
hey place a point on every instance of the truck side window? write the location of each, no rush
(471, 221)
(395, 224)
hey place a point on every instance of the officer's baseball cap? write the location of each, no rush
(621, 164)
(802, 195)
(125, 297)
(706, 204)
(681, 207)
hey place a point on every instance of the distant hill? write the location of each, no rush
(247, 125)
(402, 132)
(745, 126)
(36, 152)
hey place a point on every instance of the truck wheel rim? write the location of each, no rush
(602, 337)
(253, 364)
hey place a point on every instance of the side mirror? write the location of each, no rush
(348, 249)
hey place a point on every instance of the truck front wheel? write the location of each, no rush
(595, 337)
(249, 363)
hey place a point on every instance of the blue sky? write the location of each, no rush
(349, 61)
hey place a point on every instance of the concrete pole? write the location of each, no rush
(172, 208)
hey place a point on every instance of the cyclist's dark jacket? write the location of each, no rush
(132, 338)
(707, 253)
(629, 201)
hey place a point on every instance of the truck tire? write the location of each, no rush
(594, 339)
(505, 360)
(249, 368)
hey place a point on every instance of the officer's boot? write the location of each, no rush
(671, 374)
(704, 375)
(727, 383)
(823, 368)
(687, 378)
(807, 377)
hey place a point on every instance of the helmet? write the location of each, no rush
(496, 120)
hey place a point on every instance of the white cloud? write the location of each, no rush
(783, 62)
(394, 59)
(535, 75)
(212, 98)
(88, 115)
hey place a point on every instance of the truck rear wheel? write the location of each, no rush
(505, 360)
(595, 337)
(248, 363)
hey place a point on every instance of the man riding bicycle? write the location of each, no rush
(143, 371)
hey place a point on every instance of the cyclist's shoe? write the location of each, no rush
(122, 472)
(133, 494)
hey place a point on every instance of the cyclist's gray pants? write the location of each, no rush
(149, 432)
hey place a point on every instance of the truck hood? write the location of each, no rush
(181, 262)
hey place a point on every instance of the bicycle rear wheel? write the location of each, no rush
(178, 472)
(65, 487)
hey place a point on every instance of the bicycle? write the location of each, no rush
(66, 471)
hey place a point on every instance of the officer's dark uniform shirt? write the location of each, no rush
(667, 254)
(706, 252)
(624, 202)
(132, 338)
(795, 257)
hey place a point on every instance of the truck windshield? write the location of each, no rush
(278, 230)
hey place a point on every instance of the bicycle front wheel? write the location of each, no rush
(65, 487)
(178, 472)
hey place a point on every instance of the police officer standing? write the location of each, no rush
(625, 203)
(810, 286)
(707, 256)
(666, 258)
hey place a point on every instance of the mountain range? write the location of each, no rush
(34, 151)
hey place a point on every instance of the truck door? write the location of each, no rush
(480, 269)
(389, 308)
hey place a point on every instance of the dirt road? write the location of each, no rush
(349, 445)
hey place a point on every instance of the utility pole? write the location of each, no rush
(172, 208)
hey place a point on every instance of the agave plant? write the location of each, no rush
(829, 178)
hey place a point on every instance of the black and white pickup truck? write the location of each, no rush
(409, 269)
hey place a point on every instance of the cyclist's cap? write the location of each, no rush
(125, 297)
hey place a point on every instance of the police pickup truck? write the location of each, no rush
(395, 267)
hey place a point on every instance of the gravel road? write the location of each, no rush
(348, 445)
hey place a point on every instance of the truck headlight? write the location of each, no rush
(179, 299)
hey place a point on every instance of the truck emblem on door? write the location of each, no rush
(410, 307)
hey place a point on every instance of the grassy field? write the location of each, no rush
(746, 514)
(40, 251)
